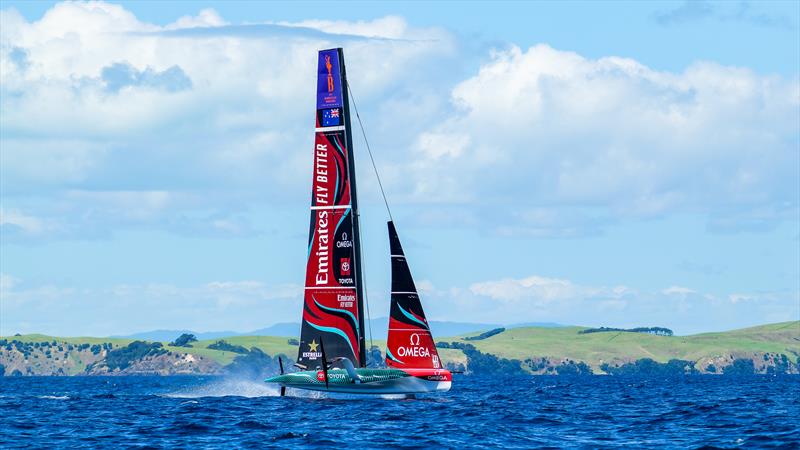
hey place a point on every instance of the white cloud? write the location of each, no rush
(534, 288)
(539, 142)
(390, 27)
(542, 127)
(96, 100)
(678, 290)
(205, 18)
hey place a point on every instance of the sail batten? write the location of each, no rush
(332, 310)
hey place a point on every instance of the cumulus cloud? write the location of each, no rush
(536, 289)
(95, 99)
(542, 130)
(539, 142)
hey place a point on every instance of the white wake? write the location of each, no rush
(227, 388)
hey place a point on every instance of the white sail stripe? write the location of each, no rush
(332, 207)
(403, 292)
(330, 287)
(398, 256)
(323, 129)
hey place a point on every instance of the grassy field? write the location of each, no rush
(597, 348)
(530, 342)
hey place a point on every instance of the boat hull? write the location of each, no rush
(372, 381)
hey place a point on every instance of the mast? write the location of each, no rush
(351, 167)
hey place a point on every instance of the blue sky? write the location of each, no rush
(618, 164)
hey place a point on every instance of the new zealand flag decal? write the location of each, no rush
(330, 117)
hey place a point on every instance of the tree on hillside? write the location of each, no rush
(184, 340)
(123, 357)
(226, 347)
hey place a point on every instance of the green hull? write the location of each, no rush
(370, 381)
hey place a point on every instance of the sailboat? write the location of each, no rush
(333, 355)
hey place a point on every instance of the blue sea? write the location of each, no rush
(513, 412)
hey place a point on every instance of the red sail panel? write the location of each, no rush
(410, 343)
(330, 310)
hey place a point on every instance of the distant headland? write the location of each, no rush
(536, 350)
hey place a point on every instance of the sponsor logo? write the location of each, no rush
(414, 349)
(344, 243)
(312, 352)
(329, 66)
(329, 85)
(437, 376)
(346, 301)
(344, 266)
(321, 196)
(331, 376)
(435, 361)
(417, 352)
(323, 250)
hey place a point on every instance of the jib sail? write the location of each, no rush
(410, 344)
(332, 310)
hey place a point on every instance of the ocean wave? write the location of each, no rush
(53, 397)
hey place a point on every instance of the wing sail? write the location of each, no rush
(332, 307)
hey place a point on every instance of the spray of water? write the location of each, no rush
(228, 387)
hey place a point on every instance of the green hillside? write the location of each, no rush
(765, 345)
(598, 348)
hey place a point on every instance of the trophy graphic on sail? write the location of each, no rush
(332, 353)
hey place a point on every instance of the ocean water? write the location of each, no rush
(515, 412)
